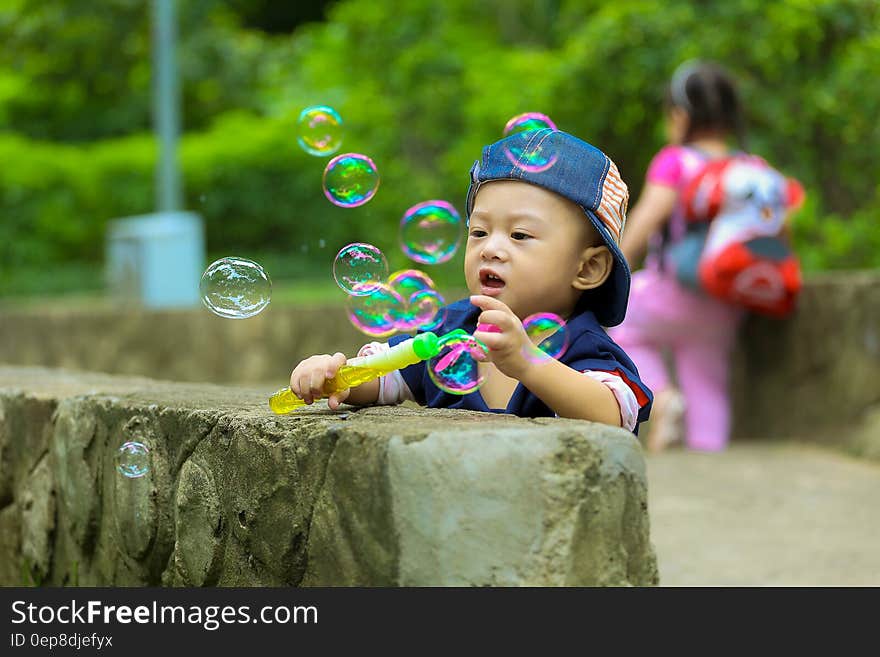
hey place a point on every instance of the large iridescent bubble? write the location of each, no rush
(430, 232)
(527, 122)
(359, 268)
(133, 459)
(455, 368)
(350, 180)
(374, 312)
(235, 288)
(407, 282)
(424, 310)
(549, 333)
(532, 151)
(319, 130)
(428, 309)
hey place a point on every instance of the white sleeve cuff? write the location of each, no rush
(626, 398)
(392, 388)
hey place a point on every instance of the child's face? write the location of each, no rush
(530, 248)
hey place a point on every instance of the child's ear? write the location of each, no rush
(596, 265)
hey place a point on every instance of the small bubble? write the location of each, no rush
(534, 152)
(133, 459)
(235, 288)
(375, 312)
(319, 130)
(407, 282)
(350, 180)
(359, 268)
(527, 122)
(430, 232)
(425, 310)
(549, 333)
(455, 368)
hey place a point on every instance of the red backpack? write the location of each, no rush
(739, 204)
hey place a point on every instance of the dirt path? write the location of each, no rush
(765, 514)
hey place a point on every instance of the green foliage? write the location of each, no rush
(86, 74)
(256, 190)
(421, 87)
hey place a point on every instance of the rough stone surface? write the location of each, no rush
(236, 496)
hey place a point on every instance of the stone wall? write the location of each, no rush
(174, 345)
(815, 376)
(237, 496)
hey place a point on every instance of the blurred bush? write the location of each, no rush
(246, 175)
(421, 87)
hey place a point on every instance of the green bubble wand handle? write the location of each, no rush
(365, 368)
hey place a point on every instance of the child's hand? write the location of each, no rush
(509, 345)
(309, 377)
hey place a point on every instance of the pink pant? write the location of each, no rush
(698, 332)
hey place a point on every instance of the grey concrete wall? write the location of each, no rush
(815, 376)
(237, 496)
(174, 345)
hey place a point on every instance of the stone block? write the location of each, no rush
(236, 496)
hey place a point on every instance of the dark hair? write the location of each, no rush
(708, 94)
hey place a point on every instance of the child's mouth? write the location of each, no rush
(491, 283)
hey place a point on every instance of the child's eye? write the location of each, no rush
(476, 232)
(520, 235)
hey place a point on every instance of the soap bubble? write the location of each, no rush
(373, 311)
(350, 180)
(235, 288)
(549, 332)
(527, 122)
(430, 232)
(407, 282)
(133, 459)
(426, 310)
(359, 268)
(424, 307)
(531, 151)
(319, 130)
(454, 369)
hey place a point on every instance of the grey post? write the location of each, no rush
(166, 99)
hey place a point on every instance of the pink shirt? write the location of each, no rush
(675, 167)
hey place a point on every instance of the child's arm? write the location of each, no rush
(566, 391)
(308, 378)
(571, 394)
(653, 209)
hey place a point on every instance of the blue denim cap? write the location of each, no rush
(572, 168)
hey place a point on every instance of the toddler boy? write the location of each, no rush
(541, 238)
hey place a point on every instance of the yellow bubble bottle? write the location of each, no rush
(365, 368)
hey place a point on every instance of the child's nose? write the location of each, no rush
(493, 249)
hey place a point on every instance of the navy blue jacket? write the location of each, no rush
(589, 348)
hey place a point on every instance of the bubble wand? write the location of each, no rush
(359, 370)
